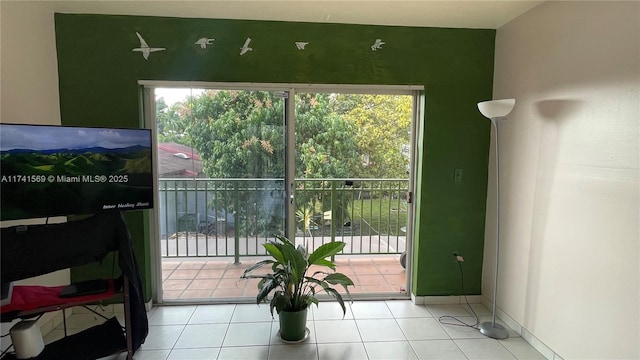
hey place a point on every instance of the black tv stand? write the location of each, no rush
(54, 247)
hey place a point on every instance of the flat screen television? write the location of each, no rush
(48, 170)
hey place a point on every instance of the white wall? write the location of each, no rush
(569, 179)
(29, 78)
(28, 64)
(569, 265)
(29, 94)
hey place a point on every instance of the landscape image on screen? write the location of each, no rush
(63, 170)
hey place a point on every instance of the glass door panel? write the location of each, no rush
(351, 182)
(221, 166)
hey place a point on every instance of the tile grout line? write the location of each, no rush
(478, 318)
(446, 332)
(270, 350)
(509, 351)
(315, 333)
(402, 330)
(235, 307)
(269, 340)
(355, 321)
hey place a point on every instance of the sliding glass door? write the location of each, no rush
(241, 163)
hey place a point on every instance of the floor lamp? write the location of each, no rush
(495, 110)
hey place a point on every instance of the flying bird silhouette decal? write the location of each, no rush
(301, 44)
(145, 49)
(377, 45)
(203, 42)
(245, 48)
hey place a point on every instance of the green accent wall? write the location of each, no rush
(98, 75)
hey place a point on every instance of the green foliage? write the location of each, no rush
(383, 123)
(289, 283)
(325, 147)
(325, 142)
(172, 122)
(381, 216)
(240, 134)
(305, 218)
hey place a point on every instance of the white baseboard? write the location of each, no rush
(542, 348)
(527, 336)
(148, 305)
(446, 300)
(514, 325)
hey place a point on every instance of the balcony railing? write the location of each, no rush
(234, 217)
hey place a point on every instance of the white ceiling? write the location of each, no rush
(453, 13)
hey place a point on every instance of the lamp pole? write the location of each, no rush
(491, 329)
(495, 110)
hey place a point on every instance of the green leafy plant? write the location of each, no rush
(289, 284)
(305, 217)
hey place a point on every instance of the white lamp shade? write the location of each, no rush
(496, 108)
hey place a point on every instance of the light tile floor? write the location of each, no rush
(394, 329)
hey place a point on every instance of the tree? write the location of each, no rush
(383, 123)
(326, 148)
(325, 142)
(172, 122)
(240, 134)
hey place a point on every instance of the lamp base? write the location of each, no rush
(492, 330)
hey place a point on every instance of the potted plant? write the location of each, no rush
(291, 288)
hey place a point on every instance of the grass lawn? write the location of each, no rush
(367, 217)
(379, 216)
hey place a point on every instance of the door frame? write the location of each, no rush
(148, 114)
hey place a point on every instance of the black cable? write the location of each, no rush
(460, 322)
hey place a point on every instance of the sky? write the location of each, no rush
(174, 95)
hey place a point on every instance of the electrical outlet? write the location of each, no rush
(457, 175)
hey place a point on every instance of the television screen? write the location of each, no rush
(65, 170)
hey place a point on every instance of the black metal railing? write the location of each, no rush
(234, 217)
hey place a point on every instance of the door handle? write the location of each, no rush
(291, 193)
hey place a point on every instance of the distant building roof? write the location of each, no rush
(176, 160)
